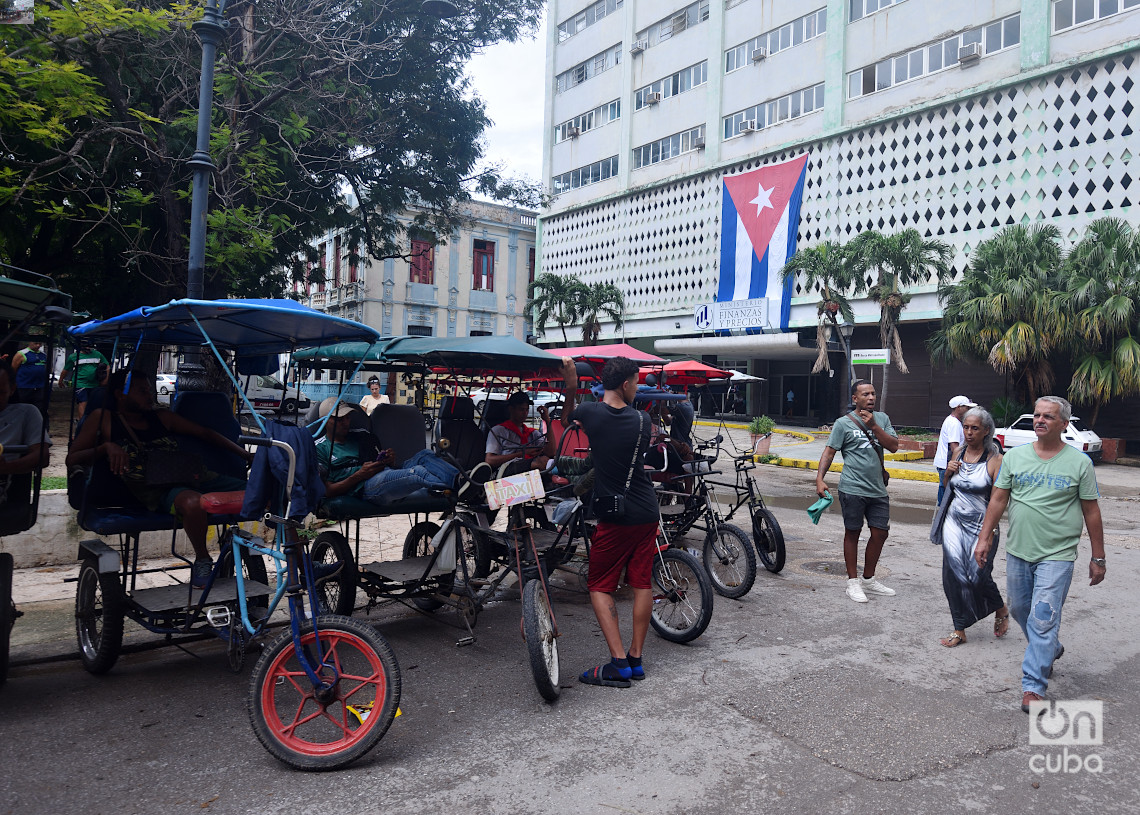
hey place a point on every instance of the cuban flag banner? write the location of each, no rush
(760, 215)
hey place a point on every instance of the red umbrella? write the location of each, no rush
(687, 372)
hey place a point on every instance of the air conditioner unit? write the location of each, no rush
(759, 54)
(699, 143)
(638, 46)
(573, 132)
(653, 98)
(748, 126)
(969, 54)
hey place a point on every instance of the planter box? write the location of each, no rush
(927, 448)
(1111, 449)
(909, 444)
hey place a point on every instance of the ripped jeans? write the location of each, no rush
(1035, 593)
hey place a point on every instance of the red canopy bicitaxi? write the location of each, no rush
(687, 372)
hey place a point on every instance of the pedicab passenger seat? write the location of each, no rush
(401, 429)
(495, 412)
(468, 443)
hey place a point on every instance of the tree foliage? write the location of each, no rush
(554, 299)
(594, 302)
(831, 267)
(318, 107)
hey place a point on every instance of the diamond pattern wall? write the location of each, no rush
(1059, 148)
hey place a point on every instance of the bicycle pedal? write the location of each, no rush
(218, 616)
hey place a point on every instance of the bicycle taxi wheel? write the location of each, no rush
(7, 611)
(541, 639)
(325, 728)
(769, 539)
(729, 560)
(682, 596)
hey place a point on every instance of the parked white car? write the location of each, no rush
(548, 398)
(165, 384)
(1077, 435)
(265, 392)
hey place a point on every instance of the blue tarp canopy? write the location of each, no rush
(456, 354)
(249, 326)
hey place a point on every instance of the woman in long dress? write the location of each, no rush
(970, 591)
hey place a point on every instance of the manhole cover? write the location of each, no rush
(825, 566)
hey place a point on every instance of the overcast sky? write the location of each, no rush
(511, 78)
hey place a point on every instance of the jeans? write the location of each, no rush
(941, 485)
(1035, 594)
(424, 469)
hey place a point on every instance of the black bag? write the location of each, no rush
(612, 507)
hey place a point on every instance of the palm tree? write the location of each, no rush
(1098, 305)
(594, 301)
(557, 302)
(901, 260)
(1002, 311)
(828, 266)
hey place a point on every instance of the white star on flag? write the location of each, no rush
(763, 199)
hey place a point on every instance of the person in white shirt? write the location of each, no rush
(373, 397)
(950, 438)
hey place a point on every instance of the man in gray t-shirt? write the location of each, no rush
(861, 436)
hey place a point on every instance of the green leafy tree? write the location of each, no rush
(829, 266)
(1097, 308)
(1002, 311)
(900, 261)
(333, 115)
(554, 299)
(595, 301)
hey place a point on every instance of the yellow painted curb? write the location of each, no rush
(740, 426)
(905, 475)
(906, 455)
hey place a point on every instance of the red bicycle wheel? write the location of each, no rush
(312, 729)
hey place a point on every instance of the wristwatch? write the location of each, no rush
(1099, 561)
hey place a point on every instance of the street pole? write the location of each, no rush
(210, 30)
(846, 329)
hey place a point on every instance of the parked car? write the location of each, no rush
(165, 384)
(1077, 435)
(548, 398)
(265, 392)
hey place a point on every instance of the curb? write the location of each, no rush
(907, 455)
(895, 472)
(740, 426)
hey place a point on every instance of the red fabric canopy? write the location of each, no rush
(685, 372)
(593, 352)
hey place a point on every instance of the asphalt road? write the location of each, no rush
(794, 700)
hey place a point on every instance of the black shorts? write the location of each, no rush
(855, 508)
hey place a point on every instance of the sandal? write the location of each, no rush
(1001, 625)
(953, 641)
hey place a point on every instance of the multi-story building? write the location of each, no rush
(955, 119)
(471, 283)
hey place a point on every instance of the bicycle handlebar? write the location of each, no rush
(291, 457)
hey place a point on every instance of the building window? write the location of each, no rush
(674, 24)
(353, 267)
(323, 265)
(861, 8)
(336, 261)
(786, 36)
(774, 111)
(422, 262)
(992, 37)
(1069, 13)
(684, 80)
(419, 330)
(483, 266)
(583, 71)
(668, 147)
(601, 115)
(480, 333)
(530, 266)
(583, 176)
(587, 17)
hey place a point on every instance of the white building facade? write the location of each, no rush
(955, 119)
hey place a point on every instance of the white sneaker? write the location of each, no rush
(872, 586)
(855, 591)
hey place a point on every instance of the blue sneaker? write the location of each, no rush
(326, 571)
(200, 573)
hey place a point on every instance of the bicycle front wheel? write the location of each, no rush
(312, 729)
(730, 561)
(7, 611)
(769, 539)
(541, 644)
(682, 596)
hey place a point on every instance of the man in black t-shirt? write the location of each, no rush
(619, 436)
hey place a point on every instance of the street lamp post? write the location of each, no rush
(846, 329)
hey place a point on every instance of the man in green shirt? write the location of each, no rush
(85, 364)
(861, 436)
(1051, 491)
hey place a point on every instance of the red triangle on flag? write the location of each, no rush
(761, 196)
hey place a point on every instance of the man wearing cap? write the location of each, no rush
(950, 438)
(349, 464)
(515, 444)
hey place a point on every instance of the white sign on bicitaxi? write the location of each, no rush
(871, 356)
(732, 314)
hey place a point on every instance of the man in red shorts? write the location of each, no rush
(619, 436)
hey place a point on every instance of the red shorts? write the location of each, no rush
(616, 547)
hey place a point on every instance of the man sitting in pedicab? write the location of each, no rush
(350, 464)
(515, 444)
(138, 443)
(20, 424)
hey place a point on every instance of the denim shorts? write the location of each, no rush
(855, 508)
